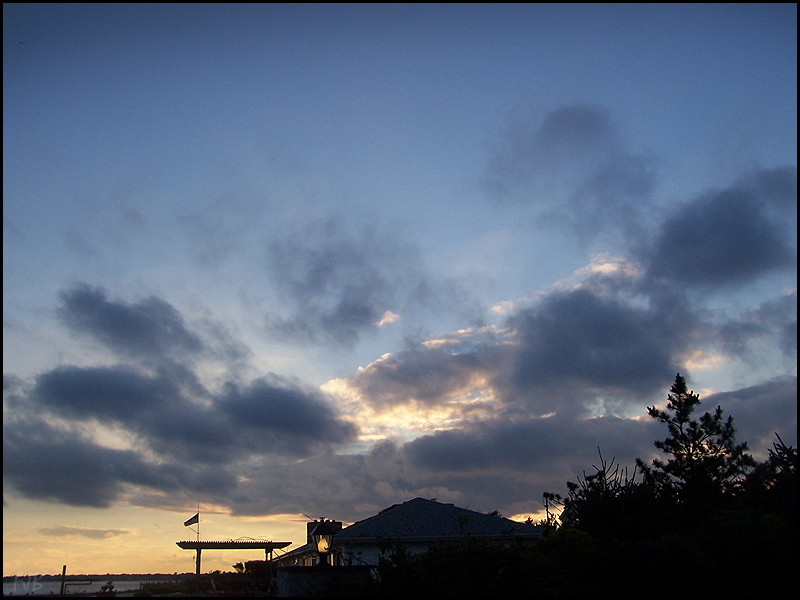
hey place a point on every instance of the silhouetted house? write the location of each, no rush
(416, 524)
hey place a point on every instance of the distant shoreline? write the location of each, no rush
(104, 576)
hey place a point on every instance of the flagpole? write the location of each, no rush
(195, 520)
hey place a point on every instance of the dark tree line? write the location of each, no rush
(703, 475)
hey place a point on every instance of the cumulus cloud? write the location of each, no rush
(497, 464)
(51, 451)
(176, 416)
(504, 462)
(542, 447)
(527, 402)
(277, 404)
(608, 343)
(572, 167)
(117, 392)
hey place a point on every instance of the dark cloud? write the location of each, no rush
(504, 461)
(276, 404)
(776, 187)
(580, 338)
(731, 236)
(149, 328)
(535, 446)
(761, 411)
(573, 167)
(54, 464)
(11, 383)
(775, 321)
(614, 341)
(496, 464)
(119, 392)
(181, 435)
(178, 418)
(58, 463)
(193, 445)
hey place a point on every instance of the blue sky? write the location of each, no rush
(323, 259)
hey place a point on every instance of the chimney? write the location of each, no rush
(335, 525)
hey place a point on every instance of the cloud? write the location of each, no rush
(773, 321)
(573, 168)
(177, 417)
(424, 374)
(496, 464)
(51, 450)
(730, 236)
(51, 463)
(387, 318)
(580, 338)
(503, 462)
(276, 404)
(566, 351)
(117, 392)
(521, 407)
(339, 285)
(149, 328)
(95, 534)
(761, 411)
(528, 446)
(606, 342)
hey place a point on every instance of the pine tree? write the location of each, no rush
(705, 462)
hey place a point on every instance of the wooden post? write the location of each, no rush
(198, 563)
(63, 577)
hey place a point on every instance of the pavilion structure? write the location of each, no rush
(267, 546)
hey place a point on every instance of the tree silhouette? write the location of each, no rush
(722, 524)
(610, 503)
(705, 461)
(772, 486)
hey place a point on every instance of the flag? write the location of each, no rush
(193, 521)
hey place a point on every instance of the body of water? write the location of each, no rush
(32, 585)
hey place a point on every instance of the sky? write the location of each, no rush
(315, 260)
